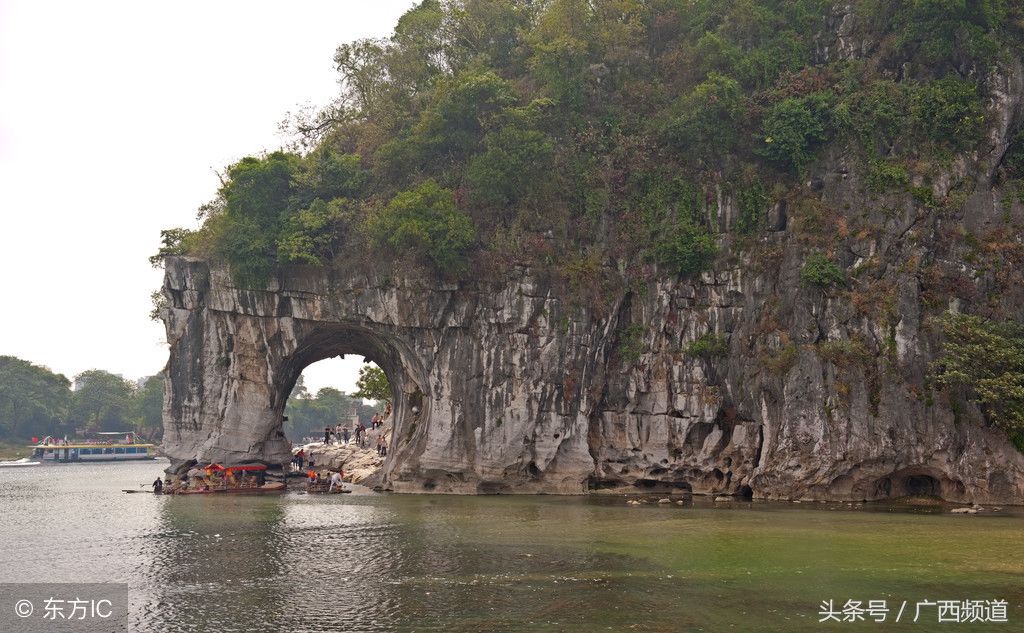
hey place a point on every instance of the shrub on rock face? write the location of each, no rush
(685, 247)
(820, 271)
(708, 346)
(986, 358)
(425, 223)
(794, 128)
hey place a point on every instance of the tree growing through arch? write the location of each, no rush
(373, 384)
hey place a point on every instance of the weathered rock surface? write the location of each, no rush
(509, 386)
(359, 464)
(508, 390)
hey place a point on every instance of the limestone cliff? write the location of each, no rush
(743, 381)
(509, 389)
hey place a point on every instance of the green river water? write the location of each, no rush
(369, 562)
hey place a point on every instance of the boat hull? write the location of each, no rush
(264, 489)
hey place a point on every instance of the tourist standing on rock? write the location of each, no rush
(327, 435)
(380, 446)
(383, 445)
(359, 433)
(300, 457)
(344, 434)
(337, 433)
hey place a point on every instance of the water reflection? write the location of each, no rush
(469, 564)
(215, 562)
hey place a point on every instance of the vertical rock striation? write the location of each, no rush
(745, 381)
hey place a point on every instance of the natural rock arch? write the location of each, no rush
(406, 374)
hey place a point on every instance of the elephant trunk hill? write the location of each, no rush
(697, 246)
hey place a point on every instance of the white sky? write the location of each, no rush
(114, 116)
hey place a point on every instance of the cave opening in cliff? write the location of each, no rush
(907, 484)
(324, 395)
(316, 387)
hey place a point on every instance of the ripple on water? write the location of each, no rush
(400, 563)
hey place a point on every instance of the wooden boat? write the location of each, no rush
(221, 480)
(252, 490)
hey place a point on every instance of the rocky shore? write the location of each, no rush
(361, 465)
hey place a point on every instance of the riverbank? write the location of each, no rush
(10, 451)
(507, 564)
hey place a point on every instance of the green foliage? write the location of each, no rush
(752, 201)
(1013, 160)
(985, 358)
(173, 242)
(515, 167)
(147, 406)
(949, 31)
(313, 235)
(676, 238)
(708, 345)
(780, 361)
(558, 118)
(308, 415)
(819, 270)
(795, 127)
(631, 342)
(373, 384)
(899, 117)
(33, 399)
(463, 108)
(159, 302)
(37, 402)
(886, 175)
(256, 198)
(325, 175)
(685, 248)
(102, 401)
(704, 122)
(948, 109)
(845, 353)
(424, 222)
(1017, 437)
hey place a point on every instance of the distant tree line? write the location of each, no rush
(308, 413)
(35, 402)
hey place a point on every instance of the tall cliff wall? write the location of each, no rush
(510, 389)
(745, 380)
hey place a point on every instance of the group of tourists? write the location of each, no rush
(340, 435)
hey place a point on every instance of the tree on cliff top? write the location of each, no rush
(479, 124)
